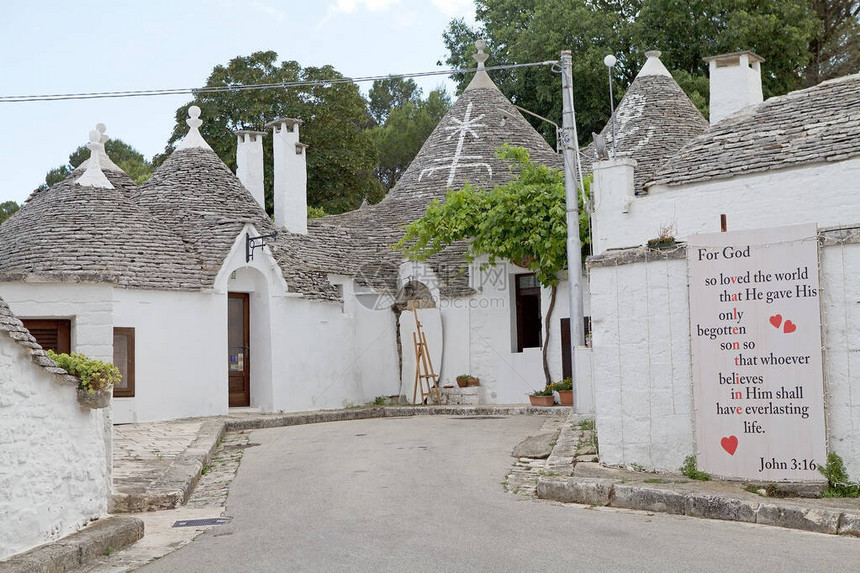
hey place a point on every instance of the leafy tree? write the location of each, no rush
(686, 31)
(404, 131)
(122, 154)
(389, 94)
(522, 31)
(341, 156)
(835, 49)
(522, 221)
(7, 209)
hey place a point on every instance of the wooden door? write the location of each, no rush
(238, 349)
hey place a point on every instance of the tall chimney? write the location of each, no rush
(291, 176)
(735, 83)
(249, 162)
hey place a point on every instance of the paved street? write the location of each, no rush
(425, 494)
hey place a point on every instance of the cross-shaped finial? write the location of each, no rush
(480, 56)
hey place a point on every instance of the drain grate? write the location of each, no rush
(199, 522)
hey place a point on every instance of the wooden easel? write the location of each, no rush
(423, 367)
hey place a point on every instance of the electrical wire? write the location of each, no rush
(246, 87)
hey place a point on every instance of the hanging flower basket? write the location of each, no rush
(94, 400)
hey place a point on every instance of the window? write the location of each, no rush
(123, 358)
(528, 312)
(53, 335)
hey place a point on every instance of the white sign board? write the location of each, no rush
(755, 329)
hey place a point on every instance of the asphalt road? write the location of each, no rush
(424, 494)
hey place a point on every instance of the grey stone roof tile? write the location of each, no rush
(205, 203)
(86, 234)
(817, 124)
(653, 121)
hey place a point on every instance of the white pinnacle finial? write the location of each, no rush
(105, 162)
(480, 56)
(193, 139)
(653, 66)
(93, 176)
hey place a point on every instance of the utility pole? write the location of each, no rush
(574, 254)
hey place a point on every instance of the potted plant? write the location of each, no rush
(565, 391)
(542, 397)
(665, 238)
(464, 380)
(96, 378)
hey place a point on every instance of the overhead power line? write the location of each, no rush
(244, 87)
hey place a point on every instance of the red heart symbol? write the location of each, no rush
(776, 320)
(730, 444)
(789, 327)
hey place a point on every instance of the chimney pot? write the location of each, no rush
(735, 83)
(249, 162)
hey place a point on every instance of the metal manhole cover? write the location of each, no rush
(199, 522)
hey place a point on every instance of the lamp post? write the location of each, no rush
(574, 254)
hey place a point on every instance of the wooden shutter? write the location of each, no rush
(53, 335)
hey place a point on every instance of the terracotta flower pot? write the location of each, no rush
(541, 400)
(462, 382)
(565, 397)
(474, 381)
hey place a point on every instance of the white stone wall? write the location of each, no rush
(641, 359)
(825, 194)
(89, 307)
(840, 317)
(54, 457)
(180, 354)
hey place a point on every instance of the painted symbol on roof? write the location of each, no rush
(461, 128)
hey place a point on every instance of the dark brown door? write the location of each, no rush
(238, 340)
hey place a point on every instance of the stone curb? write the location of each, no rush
(612, 493)
(73, 551)
(176, 485)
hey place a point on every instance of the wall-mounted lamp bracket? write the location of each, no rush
(252, 243)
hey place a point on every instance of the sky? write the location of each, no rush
(53, 47)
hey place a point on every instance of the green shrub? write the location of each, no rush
(838, 482)
(95, 375)
(690, 470)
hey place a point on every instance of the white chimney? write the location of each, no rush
(291, 176)
(735, 83)
(613, 191)
(249, 162)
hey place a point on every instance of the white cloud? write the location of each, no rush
(351, 6)
(268, 9)
(456, 8)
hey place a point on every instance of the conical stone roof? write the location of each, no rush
(198, 196)
(461, 149)
(653, 121)
(84, 233)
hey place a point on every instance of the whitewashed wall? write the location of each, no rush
(641, 359)
(89, 306)
(641, 363)
(822, 193)
(840, 317)
(180, 354)
(54, 455)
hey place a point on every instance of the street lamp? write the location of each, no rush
(610, 61)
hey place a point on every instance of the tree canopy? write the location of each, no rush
(341, 155)
(405, 122)
(7, 209)
(522, 31)
(122, 154)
